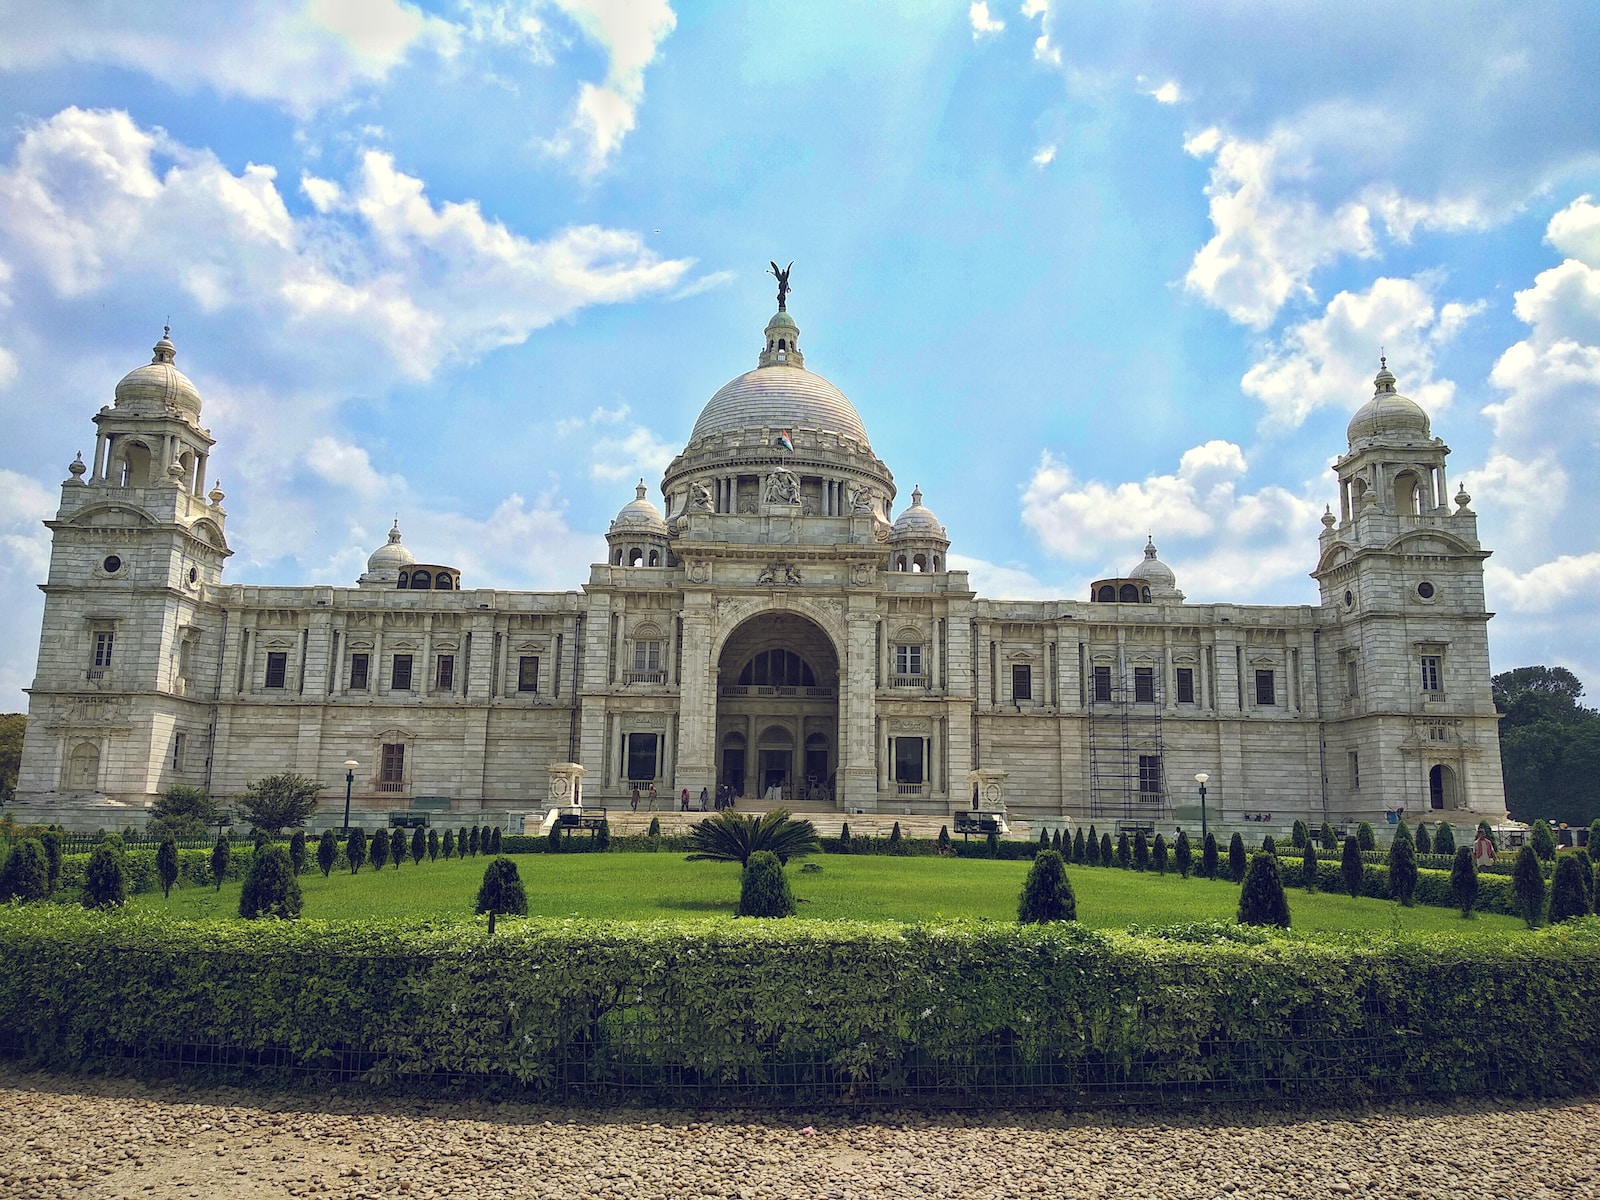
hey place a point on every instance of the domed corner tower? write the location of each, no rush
(130, 642)
(918, 543)
(638, 535)
(1411, 724)
(1150, 581)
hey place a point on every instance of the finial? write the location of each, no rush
(916, 495)
(76, 468)
(1150, 545)
(216, 494)
(1462, 499)
(639, 492)
(394, 533)
(1327, 517)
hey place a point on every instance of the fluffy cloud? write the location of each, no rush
(348, 466)
(1044, 50)
(1045, 156)
(1168, 93)
(25, 504)
(1330, 360)
(631, 33)
(983, 24)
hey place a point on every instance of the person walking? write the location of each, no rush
(685, 799)
(705, 799)
(652, 797)
(635, 799)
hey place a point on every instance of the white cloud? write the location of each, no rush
(25, 504)
(1168, 93)
(997, 581)
(1402, 215)
(1330, 360)
(1575, 231)
(638, 453)
(1045, 156)
(982, 23)
(8, 368)
(1548, 587)
(1043, 49)
(348, 466)
(631, 33)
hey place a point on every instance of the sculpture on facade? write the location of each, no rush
(783, 487)
(700, 498)
(780, 574)
(783, 284)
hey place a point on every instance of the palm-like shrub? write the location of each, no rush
(270, 889)
(1047, 892)
(1527, 886)
(1183, 855)
(1351, 867)
(502, 891)
(1464, 880)
(1261, 899)
(731, 836)
(1568, 897)
(763, 887)
(1237, 861)
(167, 866)
(327, 852)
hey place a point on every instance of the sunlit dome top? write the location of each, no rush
(1388, 416)
(158, 386)
(390, 556)
(1152, 569)
(918, 521)
(640, 515)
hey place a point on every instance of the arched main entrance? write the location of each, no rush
(1441, 787)
(778, 710)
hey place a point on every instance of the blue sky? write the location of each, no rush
(1086, 271)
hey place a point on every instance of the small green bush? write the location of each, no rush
(355, 849)
(1351, 867)
(1237, 861)
(1424, 841)
(26, 874)
(378, 851)
(1308, 866)
(992, 844)
(449, 844)
(1568, 897)
(1300, 835)
(167, 866)
(105, 879)
(1527, 886)
(1124, 855)
(655, 827)
(943, 840)
(433, 845)
(1183, 855)
(1269, 845)
(552, 839)
(271, 889)
(1209, 859)
(1092, 849)
(1079, 849)
(502, 890)
(1365, 838)
(327, 852)
(602, 837)
(1261, 898)
(419, 846)
(472, 841)
(1141, 851)
(1402, 869)
(1328, 838)
(1158, 854)
(297, 851)
(1444, 838)
(220, 854)
(844, 838)
(763, 887)
(1047, 892)
(51, 841)
(1543, 840)
(1464, 880)
(1105, 849)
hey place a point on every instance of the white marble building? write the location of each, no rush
(772, 623)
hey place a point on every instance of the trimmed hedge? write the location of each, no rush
(805, 1011)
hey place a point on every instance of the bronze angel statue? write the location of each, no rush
(782, 276)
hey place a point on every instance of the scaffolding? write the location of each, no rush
(1127, 772)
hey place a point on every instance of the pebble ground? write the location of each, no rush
(86, 1138)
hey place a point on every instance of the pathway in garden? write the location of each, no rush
(84, 1138)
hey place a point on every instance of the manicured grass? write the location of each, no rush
(859, 887)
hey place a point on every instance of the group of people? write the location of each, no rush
(651, 796)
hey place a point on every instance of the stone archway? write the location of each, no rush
(1442, 787)
(778, 710)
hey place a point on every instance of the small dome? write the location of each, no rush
(1388, 416)
(1152, 569)
(917, 521)
(640, 516)
(390, 556)
(159, 387)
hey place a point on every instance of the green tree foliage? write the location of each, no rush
(1365, 838)
(1158, 854)
(419, 845)
(1568, 897)
(1549, 745)
(844, 838)
(182, 812)
(655, 827)
(297, 851)
(1594, 839)
(378, 850)
(433, 845)
(448, 846)
(1464, 880)
(1141, 851)
(1079, 848)
(279, 802)
(472, 841)
(552, 840)
(602, 837)
(12, 727)
(1301, 834)
(105, 879)
(1351, 867)
(1543, 839)
(167, 866)
(1261, 898)
(51, 841)
(1047, 892)
(1237, 861)
(1183, 855)
(1044, 836)
(991, 844)
(1092, 848)
(1308, 866)
(270, 888)
(495, 839)
(943, 840)
(1402, 869)
(355, 849)
(1209, 857)
(1328, 838)
(26, 874)
(1424, 842)
(1587, 864)
(501, 891)
(1527, 885)
(1444, 838)
(327, 852)
(1105, 849)
(731, 836)
(763, 887)
(1124, 852)
(1055, 844)
(221, 853)
(1269, 845)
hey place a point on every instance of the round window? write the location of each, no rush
(112, 564)
(1349, 599)
(1425, 590)
(194, 575)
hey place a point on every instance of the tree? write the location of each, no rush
(501, 891)
(1079, 850)
(1269, 845)
(26, 874)
(355, 849)
(12, 727)
(1402, 870)
(270, 889)
(1105, 849)
(1365, 838)
(844, 838)
(1158, 854)
(1352, 867)
(1527, 886)
(279, 802)
(1209, 856)
(495, 839)
(51, 841)
(433, 845)
(1261, 899)
(105, 879)
(1568, 897)
(1141, 851)
(1044, 836)
(1308, 866)
(327, 852)
(1124, 855)
(1329, 839)
(1301, 834)
(1047, 892)
(167, 866)
(552, 841)
(1543, 840)
(764, 888)
(378, 851)
(449, 844)
(602, 837)
(1587, 864)
(731, 836)
(655, 828)
(419, 845)
(297, 851)
(1549, 744)
(1092, 848)
(1424, 842)
(1594, 839)
(1236, 858)
(943, 840)
(1464, 880)
(1055, 844)
(221, 852)
(182, 812)
(1183, 855)
(472, 841)
(991, 845)
(1444, 839)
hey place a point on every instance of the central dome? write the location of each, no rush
(779, 397)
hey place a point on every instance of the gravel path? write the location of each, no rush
(73, 1137)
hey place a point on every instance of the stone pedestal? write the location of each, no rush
(566, 784)
(991, 785)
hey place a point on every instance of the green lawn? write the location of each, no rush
(656, 886)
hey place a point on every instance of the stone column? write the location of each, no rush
(697, 698)
(857, 733)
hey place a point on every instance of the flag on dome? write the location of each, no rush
(784, 441)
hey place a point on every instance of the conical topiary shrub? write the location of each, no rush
(1124, 853)
(1464, 880)
(221, 852)
(327, 852)
(1183, 855)
(1236, 858)
(1424, 841)
(1300, 835)
(1444, 839)
(355, 849)
(378, 851)
(433, 845)
(1352, 867)
(1079, 850)
(1365, 838)
(1141, 851)
(26, 875)
(1092, 849)
(447, 844)
(270, 888)
(1158, 854)
(297, 851)
(419, 845)
(1402, 869)
(105, 879)
(1105, 849)
(1261, 899)
(167, 865)
(1527, 886)
(501, 891)
(764, 888)
(1209, 858)
(1047, 892)
(1568, 897)
(1328, 838)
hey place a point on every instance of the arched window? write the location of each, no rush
(783, 344)
(442, 582)
(422, 581)
(900, 563)
(1128, 594)
(655, 558)
(83, 767)
(135, 472)
(1144, 595)
(405, 580)
(937, 564)
(919, 563)
(617, 557)
(636, 557)
(1407, 494)
(777, 668)
(1107, 594)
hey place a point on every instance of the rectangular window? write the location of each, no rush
(1352, 679)
(528, 673)
(647, 656)
(641, 761)
(1430, 673)
(1355, 771)
(1144, 685)
(1021, 683)
(400, 677)
(908, 659)
(392, 768)
(277, 668)
(1149, 774)
(1102, 683)
(186, 659)
(444, 675)
(907, 760)
(178, 740)
(358, 672)
(102, 648)
(1266, 688)
(1185, 685)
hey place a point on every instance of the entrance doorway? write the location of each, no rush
(1441, 787)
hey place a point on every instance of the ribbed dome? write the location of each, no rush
(1152, 569)
(918, 521)
(779, 397)
(159, 387)
(390, 556)
(1388, 416)
(639, 515)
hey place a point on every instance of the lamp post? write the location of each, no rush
(1202, 778)
(350, 766)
